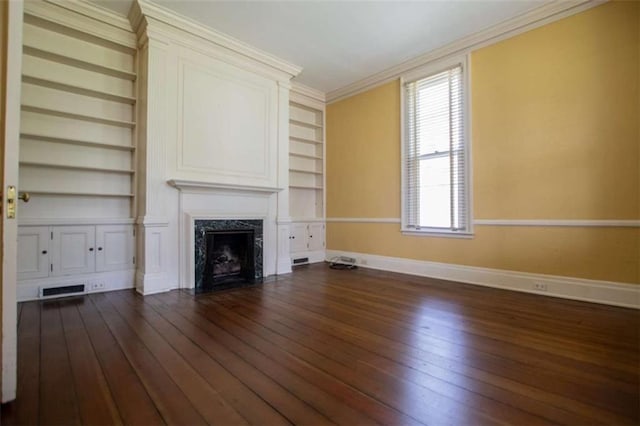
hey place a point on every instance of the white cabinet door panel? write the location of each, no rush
(33, 252)
(298, 237)
(316, 236)
(74, 250)
(114, 245)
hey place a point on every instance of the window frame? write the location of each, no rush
(418, 74)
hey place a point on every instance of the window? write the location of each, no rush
(435, 152)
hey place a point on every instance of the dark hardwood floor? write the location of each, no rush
(323, 346)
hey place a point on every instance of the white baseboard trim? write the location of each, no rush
(152, 283)
(604, 292)
(116, 280)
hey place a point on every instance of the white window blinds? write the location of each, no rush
(435, 154)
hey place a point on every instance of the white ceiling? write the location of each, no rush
(340, 42)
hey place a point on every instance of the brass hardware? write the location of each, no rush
(24, 196)
(11, 202)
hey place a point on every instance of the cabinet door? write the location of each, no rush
(114, 247)
(33, 252)
(298, 237)
(316, 236)
(73, 250)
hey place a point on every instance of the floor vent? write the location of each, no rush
(66, 290)
(300, 260)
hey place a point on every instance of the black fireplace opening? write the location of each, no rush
(228, 253)
(229, 258)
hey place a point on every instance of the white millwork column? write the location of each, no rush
(152, 221)
(283, 265)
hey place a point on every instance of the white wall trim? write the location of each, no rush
(113, 280)
(159, 13)
(586, 223)
(94, 11)
(604, 292)
(307, 91)
(107, 26)
(364, 219)
(529, 20)
(557, 222)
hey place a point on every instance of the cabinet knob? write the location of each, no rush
(44, 252)
(310, 236)
(91, 249)
(99, 248)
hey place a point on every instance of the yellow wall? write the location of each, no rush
(555, 135)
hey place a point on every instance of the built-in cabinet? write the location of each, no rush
(77, 148)
(46, 253)
(306, 177)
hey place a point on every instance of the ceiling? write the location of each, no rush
(340, 42)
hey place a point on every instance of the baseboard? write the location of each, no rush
(152, 283)
(109, 281)
(604, 292)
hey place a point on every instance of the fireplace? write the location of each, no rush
(228, 253)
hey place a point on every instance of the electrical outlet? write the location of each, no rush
(97, 286)
(539, 286)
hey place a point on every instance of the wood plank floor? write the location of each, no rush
(321, 346)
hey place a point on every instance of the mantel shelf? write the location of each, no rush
(190, 185)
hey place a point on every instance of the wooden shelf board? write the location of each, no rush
(313, 157)
(305, 124)
(77, 142)
(75, 194)
(67, 60)
(64, 114)
(305, 107)
(299, 139)
(305, 187)
(311, 172)
(71, 167)
(78, 89)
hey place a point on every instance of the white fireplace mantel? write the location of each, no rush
(190, 185)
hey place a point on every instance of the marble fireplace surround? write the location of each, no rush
(210, 203)
(201, 227)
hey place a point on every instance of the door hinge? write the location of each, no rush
(51, 235)
(134, 232)
(52, 267)
(134, 260)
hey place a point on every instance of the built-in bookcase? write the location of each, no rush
(78, 118)
(306, 162)
(306, 178)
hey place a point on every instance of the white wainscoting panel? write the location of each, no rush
(227, 128)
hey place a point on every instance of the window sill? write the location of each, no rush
(438, 234)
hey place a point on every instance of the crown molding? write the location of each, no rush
(94, 11)
(108, 26)
(307, 91)
(534, 18)
(144, 12)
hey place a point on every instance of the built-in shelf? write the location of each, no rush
(52, 84)
(305, 124)
(306, 140)
(78, 63)
(76, 142)
(305, 187)
(311, 172)
(314, 157)
(77, 194)
(64, 114)
(80, 168)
